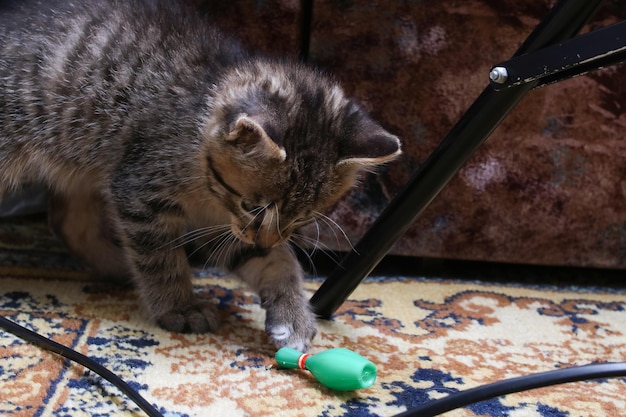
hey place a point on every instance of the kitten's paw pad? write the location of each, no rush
(283, 336)
(297, 336)
(279, 333)
(196, 318)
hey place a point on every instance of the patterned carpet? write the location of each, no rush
(428, 337)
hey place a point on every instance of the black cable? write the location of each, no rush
(81, 359)
(509, 386)
(430, 409)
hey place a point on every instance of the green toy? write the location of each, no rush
(338, 369)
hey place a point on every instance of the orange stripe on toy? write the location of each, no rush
(302, 360)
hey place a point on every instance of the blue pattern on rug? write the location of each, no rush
(439, 351)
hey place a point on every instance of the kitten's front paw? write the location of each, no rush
(201, 317)
(295, 332)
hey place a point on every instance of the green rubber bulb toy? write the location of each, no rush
(338, 369)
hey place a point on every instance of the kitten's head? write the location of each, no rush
(283, 144)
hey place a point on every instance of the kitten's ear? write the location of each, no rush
(371, 145)
(253, 139)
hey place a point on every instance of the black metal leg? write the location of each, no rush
(555, 63)
(564, 21)
(306, 22)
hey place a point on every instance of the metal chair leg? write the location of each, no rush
(564, 21)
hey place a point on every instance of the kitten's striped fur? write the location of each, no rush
(153, 129)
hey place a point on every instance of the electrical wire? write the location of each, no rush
(509, 386)
(81, 359)
(430, 409)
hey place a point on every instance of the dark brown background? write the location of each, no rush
(547, 188)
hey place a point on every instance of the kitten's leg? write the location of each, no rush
(163, 279)
(276, 276)
(161, 270)
(82, 222)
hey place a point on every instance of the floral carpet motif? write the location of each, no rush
(428, 338)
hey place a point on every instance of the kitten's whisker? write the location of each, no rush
(293, 241)
(269, 221)
(208, 242)
(192, 235)
(229, 247)
(317, 236)
(233, 246)
(280, 233)
(333, 225)
(219, 253)
(304, 242)
(207, 231)
(183, 240)
(257, 211)
(224, 248)
(211, 257)
(312, 244)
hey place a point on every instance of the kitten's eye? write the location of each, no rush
(251, 207)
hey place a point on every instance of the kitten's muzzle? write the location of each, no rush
(262, 237)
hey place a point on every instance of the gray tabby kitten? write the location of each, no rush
(152, 129)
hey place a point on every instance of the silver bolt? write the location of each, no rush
(498, 75)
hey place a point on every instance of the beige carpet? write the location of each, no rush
(428, 337)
